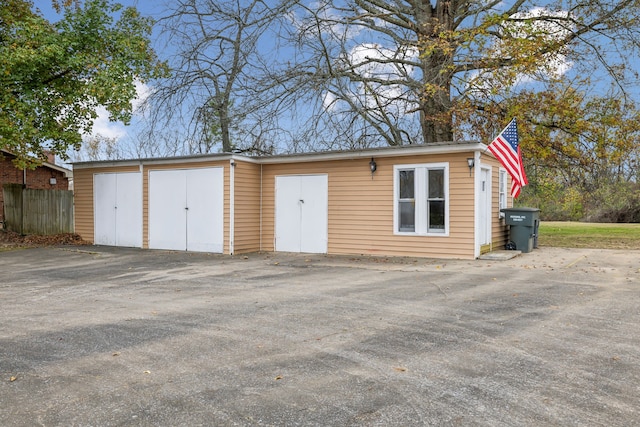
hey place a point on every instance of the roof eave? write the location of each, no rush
(396, 151)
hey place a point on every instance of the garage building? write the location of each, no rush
(430, 200)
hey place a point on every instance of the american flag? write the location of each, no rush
(506, 149)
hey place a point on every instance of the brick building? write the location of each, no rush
(48, 176)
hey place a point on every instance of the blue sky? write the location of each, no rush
(146, 7)
(155, 9)
(102, 125)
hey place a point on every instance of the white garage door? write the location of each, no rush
(186, 209)
(301, 213)
(118, 209)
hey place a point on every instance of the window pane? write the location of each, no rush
(436, 214)
(436, 183)
(407, 216)
(503, 190)
(406, 184)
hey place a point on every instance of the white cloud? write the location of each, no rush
(377, 64)
(549, 26)
(329, 101)
(367, 54)
(108, 129)
(116, 130)
(143, 91)
(546, 26)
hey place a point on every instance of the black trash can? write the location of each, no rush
(523, 227)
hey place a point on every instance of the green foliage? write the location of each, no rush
(580, 151)
(53, 76)
(618, 202)
(556, 202)
(615, 203)
(589, 235)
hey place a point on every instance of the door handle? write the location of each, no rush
(301, 201)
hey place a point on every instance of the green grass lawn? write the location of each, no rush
(589, 235)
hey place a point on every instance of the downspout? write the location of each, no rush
(232, 207)
(142, 243)
(476, 205)
(261, 190)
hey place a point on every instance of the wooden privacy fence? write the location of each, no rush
(30, 211)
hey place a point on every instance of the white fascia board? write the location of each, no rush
(152, 161)
(105, 164)
(398, 151)
(402, 151)
(247, 159)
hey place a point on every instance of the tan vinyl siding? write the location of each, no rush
(361, 208)
(83, 203)
(83, 197)
(187, 165)
(499, 231)
(247, 207)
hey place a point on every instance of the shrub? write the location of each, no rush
(619, 202)
(612, 203)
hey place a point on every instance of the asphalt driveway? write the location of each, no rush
(95, 336)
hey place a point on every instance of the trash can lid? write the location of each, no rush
(522, 209)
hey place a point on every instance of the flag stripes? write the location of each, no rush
(505, 147)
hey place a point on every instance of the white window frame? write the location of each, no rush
(421, 173)
(502, 191)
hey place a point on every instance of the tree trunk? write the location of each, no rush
(436, 59)
(436, 121)
(224, 129)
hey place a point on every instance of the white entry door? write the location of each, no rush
(484, 208)
(118, 209)
(301, 213)
(186, 209)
